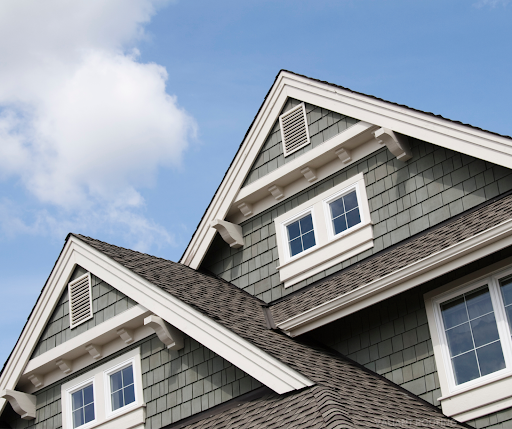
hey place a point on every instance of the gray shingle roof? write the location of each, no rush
(404, 254)
(361, 396)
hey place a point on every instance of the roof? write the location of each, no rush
(340, 87)
(360, 395)
(389, 260)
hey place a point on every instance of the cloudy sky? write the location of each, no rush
(118, 118)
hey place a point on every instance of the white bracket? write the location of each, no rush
(23, 403)
(94, 350)
(276, 191)
(344, 155)
(396, 143)
(245, 208)
(309, 174)
(64, 365)
(231, 233)
(126, 335)
(169, 335)
(36, 380)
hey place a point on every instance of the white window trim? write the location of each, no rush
(329, 249)
(79, 279)
(98, 376)
(486, 394)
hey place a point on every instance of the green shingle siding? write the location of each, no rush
(500, 420)
(404, 199)
(107, 302)
(322, 124)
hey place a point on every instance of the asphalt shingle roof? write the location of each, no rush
(364, 398)
(419, 247)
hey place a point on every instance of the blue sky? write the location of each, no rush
(118, 118)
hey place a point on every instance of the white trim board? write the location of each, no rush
(442, 132)
(435, 265)
(241, 353)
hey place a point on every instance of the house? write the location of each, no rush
(353, 270)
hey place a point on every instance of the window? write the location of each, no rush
(112, 390)
(470, 326)
(82, 406)
(324, 231)
(301, 235)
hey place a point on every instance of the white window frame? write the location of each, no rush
(99, 377)
(329, 249)
(295, 218)
(108, 393)
(488, 393)
(69, 393)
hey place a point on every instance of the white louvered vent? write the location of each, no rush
(80, 300)
(294, 129)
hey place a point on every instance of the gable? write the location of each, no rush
(107, 302)
(404, 199)
(323, 124)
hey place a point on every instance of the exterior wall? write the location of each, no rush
(322, 124)
(404, 198)
(499, 420)
(176, 385)
(107, 303)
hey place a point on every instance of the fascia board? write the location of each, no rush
(435, 265)
(457, 137)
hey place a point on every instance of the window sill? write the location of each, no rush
(132, 418)
(324, 256)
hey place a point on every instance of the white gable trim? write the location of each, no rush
(241, 353)
(442, 132)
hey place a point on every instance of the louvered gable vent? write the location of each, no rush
(80, 300)
(294, 129)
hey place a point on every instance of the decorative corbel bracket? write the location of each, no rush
(94, 350)
(36, 380)
(344, 155)
(230, 232)
(126, 335)
(245, 208)
(64, 365)
(169, 335)
(276, 191)
(309, 174)
(23, 403)
(396, 143)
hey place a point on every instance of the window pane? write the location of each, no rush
(491, 358)
(293, 230)
(459, 339)
(89, 413)
(78, 418)
(454, 312)
(77, 399)
(465, 367)
(509, 316)
(295, 246)
(479, 302)
(337, 208)
(308, 240)
(117, 400)
(116, 381)
(88, 395)
(127, 376)
(129, 394)
(353, 218)
(340, 224)
(350, 201)
(306, 224)
(484, 330)
(506, 291)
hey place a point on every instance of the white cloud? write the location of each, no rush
(491, 3)
(83, 123)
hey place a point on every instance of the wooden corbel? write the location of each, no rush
(396, 143)
(167, 334)
(231, 233)
(23, 403)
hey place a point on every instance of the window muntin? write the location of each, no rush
(472, 335)
(122, 388)
(82, 406)
(345, 212)
(301, 235)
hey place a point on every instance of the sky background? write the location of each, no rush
(118, 118)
